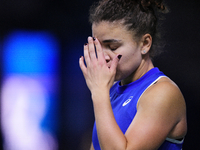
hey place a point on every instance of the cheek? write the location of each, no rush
(130, 56)
(125, 64)
(129, 52)
(129, 63)
(127, 59)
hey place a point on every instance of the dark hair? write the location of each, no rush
(137, 15)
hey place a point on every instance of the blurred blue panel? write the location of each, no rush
(30, 52)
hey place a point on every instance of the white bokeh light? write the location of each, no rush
(23, 107)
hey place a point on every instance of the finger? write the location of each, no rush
(115, 63)
(91, 49)
(99, 50)
(82, 65)
(86, 54)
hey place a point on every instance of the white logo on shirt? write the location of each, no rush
(127, 101)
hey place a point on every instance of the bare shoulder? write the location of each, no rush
(164, 89)
(164, 95)
(164, 100)
(161, 113)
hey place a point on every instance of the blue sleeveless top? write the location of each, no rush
(124, 104)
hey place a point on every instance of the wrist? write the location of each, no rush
(100, 94)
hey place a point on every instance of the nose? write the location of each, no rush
(107, 57)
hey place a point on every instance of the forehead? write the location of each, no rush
(106, 30)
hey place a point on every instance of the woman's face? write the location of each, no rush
(115, 39)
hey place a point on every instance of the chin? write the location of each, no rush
(118, 77)
(121, 76)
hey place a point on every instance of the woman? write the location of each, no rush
(144, 109)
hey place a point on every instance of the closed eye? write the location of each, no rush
(112, 44)
(112, 48)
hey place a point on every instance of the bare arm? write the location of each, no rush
(109, 134)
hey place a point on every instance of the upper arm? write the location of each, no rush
(159, 110)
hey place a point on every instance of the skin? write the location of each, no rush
(161, 110)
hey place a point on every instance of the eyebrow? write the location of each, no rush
(111, 41)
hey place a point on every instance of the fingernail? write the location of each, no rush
(85, 44)
(94, 38)
(90, 38)
(119, 56)
(80, 56)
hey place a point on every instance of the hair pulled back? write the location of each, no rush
(137, 15)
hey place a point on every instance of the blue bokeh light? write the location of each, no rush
(30, 52)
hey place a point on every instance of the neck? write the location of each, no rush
(145, 65)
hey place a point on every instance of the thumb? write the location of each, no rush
(115, 62)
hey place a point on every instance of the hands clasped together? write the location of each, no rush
(97, 74)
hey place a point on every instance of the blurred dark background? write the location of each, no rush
(68, 22)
